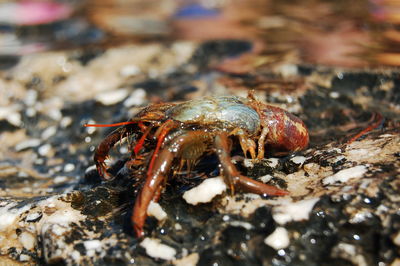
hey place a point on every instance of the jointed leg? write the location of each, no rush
(158, 173)
(247, 144)
(232, 176)
(104, 147)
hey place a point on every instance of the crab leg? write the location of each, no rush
(117, 135)
(232, 176)
(162, 163)
(104, 147)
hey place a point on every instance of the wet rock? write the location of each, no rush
(55, 208)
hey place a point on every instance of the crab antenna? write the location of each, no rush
(110, 125)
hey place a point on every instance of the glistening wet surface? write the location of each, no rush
(316, 59)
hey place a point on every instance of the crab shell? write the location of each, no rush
(286, 132)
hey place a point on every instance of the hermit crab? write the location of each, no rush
(183, 132)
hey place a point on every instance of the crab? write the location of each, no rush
(183, 132)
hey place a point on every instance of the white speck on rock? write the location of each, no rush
(129, 70)
(137, 97)
(33, 216)
(206, 191)
(360, 217)
(69, 167)
(27, 240)
(11, 114)
(273, 162)
(24, 257)
(293, 211)
(111, 97)
(31, 112)
(348, 248)
(15, 119)
(9, 215)
(154, 248)
(92, 244)
(245, 225)
(334, 94)
(66, 121)
(178, 226)
(44, 149)
(396, 239)
(49, 132)
(248, 163)
(90, 168)
(345, 175)
(156, 211)
(298, 159)
(30, 143)
(265, 178)
(60, 179)
(60, 218)
(279, 239)
(287, 70)
(55, 114)
(76, 255)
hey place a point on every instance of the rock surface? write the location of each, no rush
(343, 207)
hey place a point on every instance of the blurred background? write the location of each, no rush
(329, 32)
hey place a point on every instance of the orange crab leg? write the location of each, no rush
(232, 176)
(102, 150)
(139, 144)
(166, 127)
(111, 125)
(161, 165)
(104, 147)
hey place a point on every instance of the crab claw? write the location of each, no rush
(102, 170)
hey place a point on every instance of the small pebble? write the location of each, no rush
(24, 257)
(60, 179)
(49, 132)
(178, 227)
(156, 211)
(33, 217)
(55, 114)
(293, 211)
(396, 239)
(137, 97)
(92, 244)
(27, 240)
(344, 175)
(11, 114)
(27, 144)
(66, 121)
(44, 149)
(69, 167)
(334, 95)
(266, 178)
(154, 248)
(130, 70)
(245, 225)
(279, 239)
(298, 159)
(111, 97)
(206, 191)
(31, 97)
(273, 162)
(287, 70)
(248, 163)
